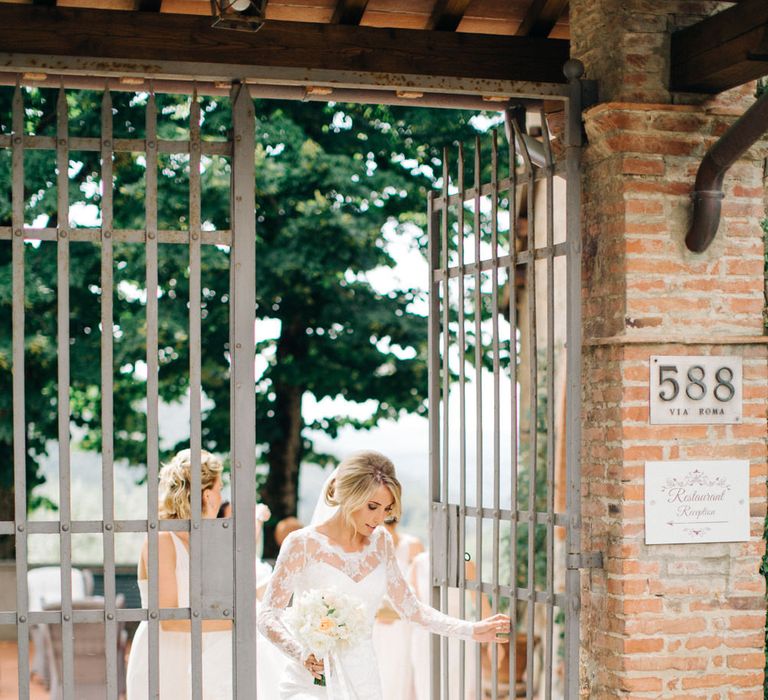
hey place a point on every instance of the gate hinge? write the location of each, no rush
(585, 560)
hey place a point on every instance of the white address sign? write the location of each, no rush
(695, 389)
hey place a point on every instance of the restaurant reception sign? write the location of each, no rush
(696, 501)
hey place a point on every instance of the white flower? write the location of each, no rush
(325, 621)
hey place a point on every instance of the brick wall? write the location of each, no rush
(664, 621)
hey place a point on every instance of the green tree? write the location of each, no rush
(329, 177)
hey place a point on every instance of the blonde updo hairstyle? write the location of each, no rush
(358, 478)
(176, 483)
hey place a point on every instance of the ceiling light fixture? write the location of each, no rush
(244, 15)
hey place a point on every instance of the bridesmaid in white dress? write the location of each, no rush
(392, 635)
(353, 555)
(173, 578)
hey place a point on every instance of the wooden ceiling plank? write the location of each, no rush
(82, 39)
(447, 15)
(349, 12)
(541, 17)
(721, 51)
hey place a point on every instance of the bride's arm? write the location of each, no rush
(412, 609)
(290, 562)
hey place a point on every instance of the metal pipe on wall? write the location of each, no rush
(708, 189)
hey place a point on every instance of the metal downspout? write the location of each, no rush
(708, 190)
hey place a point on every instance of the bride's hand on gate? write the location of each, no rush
(314, 666)
(493, 629)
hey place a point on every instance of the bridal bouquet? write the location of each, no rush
(326, 621)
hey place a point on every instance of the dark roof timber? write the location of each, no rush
(349, 11)
(77, 39)
(541, 17)
(722, 51)
(447, 15)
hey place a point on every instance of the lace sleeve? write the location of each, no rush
(409, 607)
(289, 564)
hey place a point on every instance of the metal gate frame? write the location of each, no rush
(448, 521)
(243, 399)
(232, 597)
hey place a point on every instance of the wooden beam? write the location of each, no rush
(541, 17)
(349, 11)
(447, 15)
(103, 42)
(722, 51)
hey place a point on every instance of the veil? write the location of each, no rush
(322, 510)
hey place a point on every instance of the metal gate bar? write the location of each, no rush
(446, 385)
(550, 417)
(19, 417)
(242, 391)
(514, 517)
(62, 301)
(496, 396)
(242, 263)
(573, 143)
(462, 340)
(195, 389)
(153, 399)
(477, 303)
(107, 395)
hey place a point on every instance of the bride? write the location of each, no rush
(352, 554)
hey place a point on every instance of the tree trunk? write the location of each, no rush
(281, 489)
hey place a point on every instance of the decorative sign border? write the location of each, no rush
(696, 501)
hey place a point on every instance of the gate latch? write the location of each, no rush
(585, 560)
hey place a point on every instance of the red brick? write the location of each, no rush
(643, 166)
(716, 680)
(746, 661)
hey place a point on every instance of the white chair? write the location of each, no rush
(89, 652)
(44, 588)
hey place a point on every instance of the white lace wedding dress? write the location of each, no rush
(310, 561)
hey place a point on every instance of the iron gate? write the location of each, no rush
(227, 591)
(504, 250)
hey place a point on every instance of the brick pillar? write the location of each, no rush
(663, 621)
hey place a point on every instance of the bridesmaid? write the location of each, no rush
(391, 635)
(173, 592)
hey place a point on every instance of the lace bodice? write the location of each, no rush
(309, 560)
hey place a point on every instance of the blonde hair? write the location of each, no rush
(357, 479)
(176, 483)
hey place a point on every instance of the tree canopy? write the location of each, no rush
(329, 179)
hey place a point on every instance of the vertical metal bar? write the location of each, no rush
(532, 405)
(19, 415)
(478, 406)
(496, 397)
(574, 71)
(195, 537)
(462, 424)
(512, 286)
(153, 446)
(107, 403)
(243, 382)
(550, 369)
(433, 363)
(446, 372)
(62, 301)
